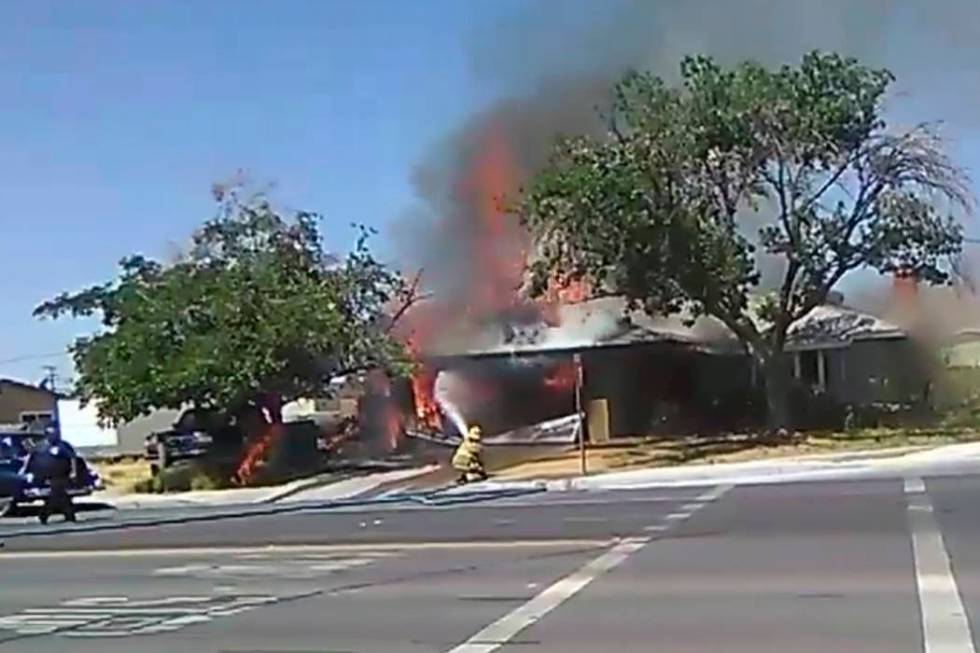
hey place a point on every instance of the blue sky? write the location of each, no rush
(117, 115)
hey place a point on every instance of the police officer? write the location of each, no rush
(54, 461)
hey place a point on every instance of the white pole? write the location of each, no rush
(578, 411)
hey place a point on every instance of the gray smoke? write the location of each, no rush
(555, 62)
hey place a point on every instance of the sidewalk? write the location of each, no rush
(308, 489)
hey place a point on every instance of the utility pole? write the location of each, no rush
(51, 380)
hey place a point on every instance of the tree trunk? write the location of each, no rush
(777, 381)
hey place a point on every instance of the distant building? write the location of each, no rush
(23, 403)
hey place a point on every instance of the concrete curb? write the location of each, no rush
(252, 496)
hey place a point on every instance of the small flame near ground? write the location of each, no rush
(423, 390)
(257, 452)
(390, 419)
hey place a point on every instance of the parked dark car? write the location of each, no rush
(195, 434)
(18, 487)
(167, 447)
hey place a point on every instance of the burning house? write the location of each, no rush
(487, 354)
(655, 376)
(652, 372)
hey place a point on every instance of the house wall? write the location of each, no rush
(868, 371)
(16, 399)
(669, 390)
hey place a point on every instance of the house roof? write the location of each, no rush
(594, 323)
(606, 322)
(25, 386)
(837, 326)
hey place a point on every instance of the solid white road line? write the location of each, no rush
(293, 549)
(945, 627)
(501, 631)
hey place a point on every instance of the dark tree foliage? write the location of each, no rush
(656, 210)
(255, 315)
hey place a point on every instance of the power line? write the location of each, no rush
(33, 357)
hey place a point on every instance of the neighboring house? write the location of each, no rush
(962, 352)
(856, 358)
(23, 403)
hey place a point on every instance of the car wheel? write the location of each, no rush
(7, 506)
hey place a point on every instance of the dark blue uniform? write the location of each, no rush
(53, 462)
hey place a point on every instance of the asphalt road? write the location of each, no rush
(877, 565)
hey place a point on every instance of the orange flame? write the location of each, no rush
(501, 243)
(423, 387)
(256, 453)
(561, 377)
(392, 426)
(391, 420)
(499, 249)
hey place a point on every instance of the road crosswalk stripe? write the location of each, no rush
(945, 627)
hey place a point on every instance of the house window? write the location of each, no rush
(35, 416)
(810, 367)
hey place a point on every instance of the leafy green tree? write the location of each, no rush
(658, 210)
(255, 315)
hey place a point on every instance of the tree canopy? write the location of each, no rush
(658, 209)
(255, 312)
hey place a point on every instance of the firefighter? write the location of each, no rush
(468, 459)
(54, 461)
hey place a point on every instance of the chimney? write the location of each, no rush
(904, 301)
(905, 288)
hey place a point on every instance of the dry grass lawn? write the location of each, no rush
(123, 475)
(665, 452)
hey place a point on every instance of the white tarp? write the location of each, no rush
(560, 431)
(80, 426)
